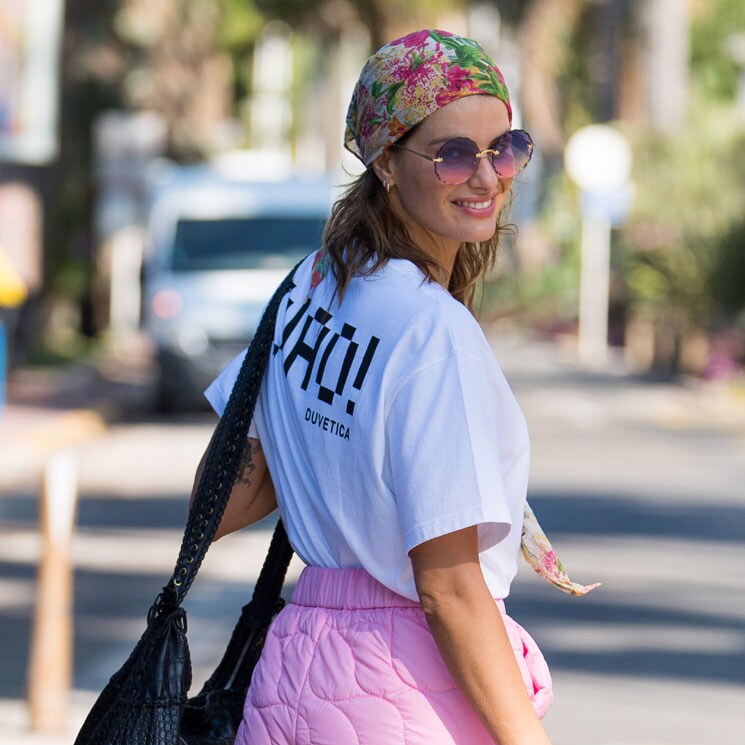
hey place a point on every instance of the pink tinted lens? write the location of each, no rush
(514, 150)
(458, 162)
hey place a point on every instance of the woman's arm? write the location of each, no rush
(470, 634)
(252, 497)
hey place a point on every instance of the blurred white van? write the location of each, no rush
(217, 247)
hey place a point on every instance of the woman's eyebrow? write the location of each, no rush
(441, 140)
(445, 138)
(498, 138)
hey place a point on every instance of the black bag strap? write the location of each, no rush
(221, 467)
(235, 669)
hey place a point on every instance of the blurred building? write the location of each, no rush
(30, 33)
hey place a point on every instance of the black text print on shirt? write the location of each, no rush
(332, 352)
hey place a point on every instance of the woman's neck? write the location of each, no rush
(445, 256)
(443, 250)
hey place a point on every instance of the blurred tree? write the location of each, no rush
(93, 66)
(685, 240)
(716, 28)
(684, 243)
(383, 19)
(186, 59)
(571, 53)
(546, 30)
(727, 277)
(190, 63)
(678, 261)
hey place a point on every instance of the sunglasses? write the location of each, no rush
(458, 159)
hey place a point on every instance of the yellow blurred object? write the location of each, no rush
(13, 290)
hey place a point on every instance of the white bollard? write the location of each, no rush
(50, 672)
(594, 292)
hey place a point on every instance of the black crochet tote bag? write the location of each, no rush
(146, 701)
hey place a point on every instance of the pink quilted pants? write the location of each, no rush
(348, 662)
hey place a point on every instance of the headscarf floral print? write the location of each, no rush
(409, 79)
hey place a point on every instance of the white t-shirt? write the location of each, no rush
(386, 421)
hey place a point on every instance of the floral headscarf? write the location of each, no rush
(409, 79)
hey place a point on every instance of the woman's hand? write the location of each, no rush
(470, 633)
(252, 497)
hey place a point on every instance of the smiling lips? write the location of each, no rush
(478, 209)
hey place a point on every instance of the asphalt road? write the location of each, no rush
(639, 485)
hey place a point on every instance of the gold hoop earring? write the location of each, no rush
(387, 187)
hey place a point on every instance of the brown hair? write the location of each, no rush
(364, 232)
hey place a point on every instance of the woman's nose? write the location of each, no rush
(485, 177)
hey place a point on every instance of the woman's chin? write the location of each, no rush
(481, 235)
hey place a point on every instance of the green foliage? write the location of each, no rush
(727, 284)
(683, 242)
(681, 254)
(543, 297)
(573, 79)
(715, 23)
(683, 261)
(240, 25)
(326, 18)
(85, 96)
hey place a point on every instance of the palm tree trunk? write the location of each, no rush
(544, 29)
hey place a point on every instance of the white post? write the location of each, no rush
(668, 66)
(50, 673)
(598, 160)
(594, 291)
(3, 364)
(735, 44)
(271, 109)
(125, 248)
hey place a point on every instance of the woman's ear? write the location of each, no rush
(382, 165)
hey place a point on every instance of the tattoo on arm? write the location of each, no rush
(247, 466)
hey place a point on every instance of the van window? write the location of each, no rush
(244, 242)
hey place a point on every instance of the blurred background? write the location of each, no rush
(163, 163)
(95, 95)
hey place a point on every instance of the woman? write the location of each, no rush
(389, 438)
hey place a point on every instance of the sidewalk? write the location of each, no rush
(684, 403)
(639, 484)
(51, 409)
(54, 407)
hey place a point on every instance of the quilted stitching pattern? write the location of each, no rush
(367, 676)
